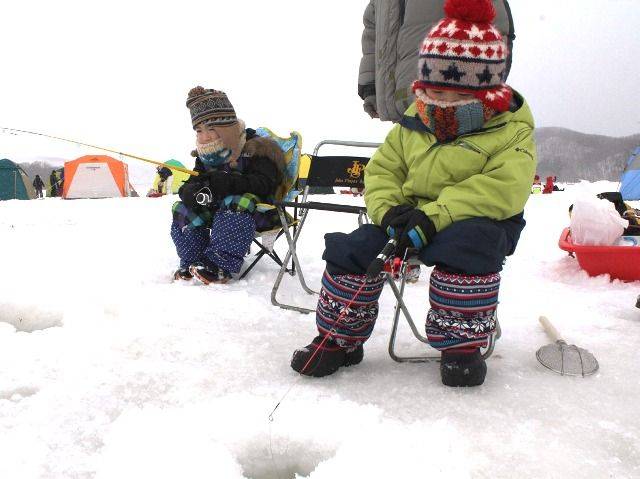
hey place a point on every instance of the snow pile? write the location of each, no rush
(111, 370)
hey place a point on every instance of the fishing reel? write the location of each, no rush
(204, 197)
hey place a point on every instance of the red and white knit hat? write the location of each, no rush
(465, 52)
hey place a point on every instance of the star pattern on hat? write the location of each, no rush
(452, 73)
(485, 76)
(425, 70)
(451, 29)
(475, 32)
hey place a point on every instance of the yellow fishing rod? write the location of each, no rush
(172, 167)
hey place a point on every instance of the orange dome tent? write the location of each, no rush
(96, 176)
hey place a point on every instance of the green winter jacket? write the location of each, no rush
(487, 173)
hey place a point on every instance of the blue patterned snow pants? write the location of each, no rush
(226, 245)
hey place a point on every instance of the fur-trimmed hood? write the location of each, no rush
(267, 148)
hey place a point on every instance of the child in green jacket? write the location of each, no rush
(450, 183)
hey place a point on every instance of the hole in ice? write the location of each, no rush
(17, 394)
(29, 318)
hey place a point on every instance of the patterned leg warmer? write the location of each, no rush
(231, 236)
(190, 243)
(358, 322)
(463, 310)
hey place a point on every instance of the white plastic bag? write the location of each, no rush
(596, 222)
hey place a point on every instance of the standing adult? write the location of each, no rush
(393, 31)
(38, 184)
(53, 181)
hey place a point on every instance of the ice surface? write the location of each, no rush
(110, 370)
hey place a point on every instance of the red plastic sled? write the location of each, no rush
(620, 262)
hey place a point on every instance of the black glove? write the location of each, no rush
(221, 183)
(189, 190)
(395, 219)
(418, 231)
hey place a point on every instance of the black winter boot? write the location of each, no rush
(327, 360)
(462, 369)
(209, 274)
(182, 274)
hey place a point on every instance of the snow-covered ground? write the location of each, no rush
(110, 370)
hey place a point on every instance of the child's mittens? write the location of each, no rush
(395, 219)
(417, 233)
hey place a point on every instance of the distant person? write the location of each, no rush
(548, 186)
(457, 204)
(38, 184)
(393, 31)
(214, 224)
(161, 188)
(53, 183)
(536, 187)
(555, 184)
(164, 174)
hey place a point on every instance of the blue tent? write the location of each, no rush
(14, 182)
(630, 181)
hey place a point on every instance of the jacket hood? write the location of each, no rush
(267, 148)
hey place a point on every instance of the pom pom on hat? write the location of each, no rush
(465, 52)
(196, 91)
(475, 11)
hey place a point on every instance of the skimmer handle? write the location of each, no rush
(551, 331)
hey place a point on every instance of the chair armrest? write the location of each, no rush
(315, 205)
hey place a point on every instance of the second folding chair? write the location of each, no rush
(324, 172)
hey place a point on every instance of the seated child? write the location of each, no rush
(215, 222)
(450, 182)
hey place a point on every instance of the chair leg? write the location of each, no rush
(401, 307)
(263, 251)
(291, 254)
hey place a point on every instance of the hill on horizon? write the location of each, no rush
(574, 156)
(570, 155)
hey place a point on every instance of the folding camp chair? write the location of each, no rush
(264, 240)
(401, 307)
(327, 172)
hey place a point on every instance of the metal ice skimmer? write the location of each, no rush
(563, 358)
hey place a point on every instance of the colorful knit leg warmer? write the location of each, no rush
(463, 310)
(190, 243)
(231, 236)
(357, 324)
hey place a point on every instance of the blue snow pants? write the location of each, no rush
(224, 246)
(463, 291)
(475, 246)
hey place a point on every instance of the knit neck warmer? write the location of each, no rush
(449, 120)
(213, 154)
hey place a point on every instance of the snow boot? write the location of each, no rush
(209, 274)
(326, 360)
(182, 274)
(462, 369)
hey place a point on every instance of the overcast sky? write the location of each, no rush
(116, 73)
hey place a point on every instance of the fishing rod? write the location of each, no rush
(172, 167)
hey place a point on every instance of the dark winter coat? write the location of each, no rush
(260, 168)
(38, 184)
(257, 177)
